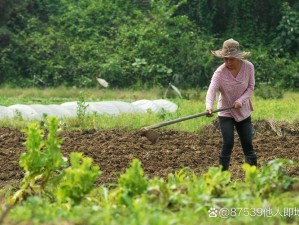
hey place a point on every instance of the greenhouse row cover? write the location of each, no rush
(69, 109)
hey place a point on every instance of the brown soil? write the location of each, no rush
(114, 150)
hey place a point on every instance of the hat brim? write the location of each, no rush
(238, 55)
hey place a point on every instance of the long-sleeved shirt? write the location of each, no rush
(232, 89)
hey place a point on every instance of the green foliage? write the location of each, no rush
(185, 198)
(79, 41)
(42, 155)
(276, 108)
(272, 179)
(275, 71)
(287, 40)
(45, 169)
(245, 20)
(268, 92)
(154, 51)
(132, 182)
(41, 161)
(77, 180)
(59, 42)
(81, 108)
(215, 180)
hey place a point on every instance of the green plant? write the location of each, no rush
(184, 198)
(77, 180)
(271, 179)
(132, 183)
(215, 180)
(287, 39)
(18, 115)
(46, 171)
(269, 92)
(41, 160)
(81, 108)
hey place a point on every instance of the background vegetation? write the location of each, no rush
(143, 44)
(278, 109)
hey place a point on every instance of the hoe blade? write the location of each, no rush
(151, 135)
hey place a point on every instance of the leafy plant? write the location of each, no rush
(287, 39)
(184, 198)
(215, 180)
(77, 180)
(81, 107)
(45, 169)
(41, 160)
(270, 179)
(132, 183)
(268, 92)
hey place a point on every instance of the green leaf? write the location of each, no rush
(77, 180)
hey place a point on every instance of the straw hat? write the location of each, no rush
(230, 48)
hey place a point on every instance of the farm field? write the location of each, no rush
(103, 116)
(113, 143)
(113, 150)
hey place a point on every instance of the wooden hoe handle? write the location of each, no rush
(158, 125)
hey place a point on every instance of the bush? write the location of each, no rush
(70, 43)
(268, 92)
(275, 71)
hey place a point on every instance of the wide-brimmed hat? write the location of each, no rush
(230, 48)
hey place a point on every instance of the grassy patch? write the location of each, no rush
(285, 108)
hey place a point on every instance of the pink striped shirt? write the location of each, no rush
(232, 89)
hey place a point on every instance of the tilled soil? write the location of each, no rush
(114, 150)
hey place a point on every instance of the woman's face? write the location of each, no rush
(231, 63)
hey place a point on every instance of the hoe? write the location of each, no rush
(153, 136)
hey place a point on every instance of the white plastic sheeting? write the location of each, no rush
(69, 109)
(155, 105)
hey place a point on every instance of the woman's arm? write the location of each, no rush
(251, 83)
(211, 93)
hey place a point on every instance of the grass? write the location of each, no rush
(10, 96)
(284, 109)
(277, 109)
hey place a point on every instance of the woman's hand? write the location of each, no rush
(209, 112)
(237, 105)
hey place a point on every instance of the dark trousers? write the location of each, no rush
(244, 130)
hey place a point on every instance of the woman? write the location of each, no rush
(235, 81)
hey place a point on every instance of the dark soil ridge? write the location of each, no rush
(114, 150)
